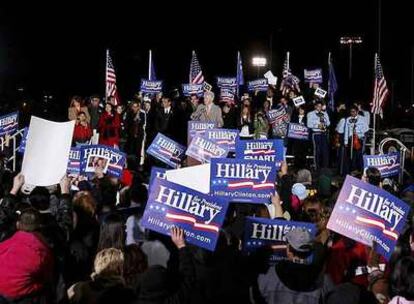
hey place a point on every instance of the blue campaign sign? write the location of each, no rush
(262, 232)
(198, 128)
(200, 215)
(242, 181)
(156, 172)
(9, 123)
(151, 86)
(271, 150)
(110, 160)
(74, 161)
(226, 82)
(277, 116)
(192, 88)
(204, 150)
(298, 131)
(167, 151)
(314, 76)
(223, 137)
(260, 85)
(22, 146)
(366, 213)
(387, 164)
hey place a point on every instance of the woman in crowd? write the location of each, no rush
(77, 106)
(82, 132)
(109, 127)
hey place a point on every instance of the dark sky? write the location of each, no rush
(62, 49)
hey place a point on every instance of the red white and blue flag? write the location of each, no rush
(380, 88)
(110, 79)
(196, 74)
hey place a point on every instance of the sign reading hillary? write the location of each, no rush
(263, 232)
(320, 93)
(22, 146)
(200, 215)
(9, 123)
(193, 89)
(298, 131)
(198, 128)
(366, 213)
(271, 150)
(151, 86)
(227, 94)
(167, 151)
(226, 82)
(74, 161)
(314, 76)
(223, 137)
(277, 116)
(243, 181)
(387, 164)
(204, 150)
(260, 85)
(111, 161)
(156, 172)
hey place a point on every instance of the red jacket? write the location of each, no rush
(81, 133)
(26, 265)
(109, 126)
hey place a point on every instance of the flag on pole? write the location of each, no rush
(289, 81)
(196, 75)
(380, 88)
(110, 79)
(332, 84)
(151, 68)
(239, 76)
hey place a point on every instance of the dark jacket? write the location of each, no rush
(165, 123)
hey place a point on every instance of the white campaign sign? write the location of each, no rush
(47, 151)
(195, 177)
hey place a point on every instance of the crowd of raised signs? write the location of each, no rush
(165, 200)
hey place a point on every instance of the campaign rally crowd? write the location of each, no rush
(103, 238)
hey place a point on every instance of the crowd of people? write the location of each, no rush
(82, 241)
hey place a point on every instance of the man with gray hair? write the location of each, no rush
(208, 112)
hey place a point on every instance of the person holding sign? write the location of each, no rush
(208, 112)
(354, 138)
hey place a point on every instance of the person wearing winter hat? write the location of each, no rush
(299, 194)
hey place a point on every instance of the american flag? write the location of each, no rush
(289, 81)
(110, 78)
(380, 88)
(196, 75)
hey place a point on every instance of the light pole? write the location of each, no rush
(259, 62)
(350, 41)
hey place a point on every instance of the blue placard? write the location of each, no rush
(298, 131)
(191, 88)
(314, 76)
(151, 86)
(227, 95)
(198, 128)
(366, 213)
(226, 82)
(262, 232)
(167, 151)
(260, 85)
(204, 150)
(387, 164)
(271, 150)
(223, 137)
(9, 123)
(200, 215)
(242, 181)
(156, 172)
(277, 116)
(74, 161)
(110, 160)
(22, 146)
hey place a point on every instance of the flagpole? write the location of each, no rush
(375, 117)
(149, 64)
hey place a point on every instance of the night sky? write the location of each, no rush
(61, 50)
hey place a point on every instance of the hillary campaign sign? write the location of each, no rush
(200, 215)
(111, 161)
(74, 161)
(366, 213)
(223, 137)
(298, 101)
(198, 128)
(260, 85)
(278, 115)
(151, 86)
(227, 94)
(204, 150)
(320, 93)
(226, 82)
(298, 131)
(156, 172)
(387, 164)
(263, 232)
(271, 150)
(9, 123)
(167, 151)
(242, 181)
(314, 76)
(192, 88)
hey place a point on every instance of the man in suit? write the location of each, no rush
(164, 119)
(208, 112)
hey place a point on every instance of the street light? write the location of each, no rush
(259, 62)
(350, 40)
